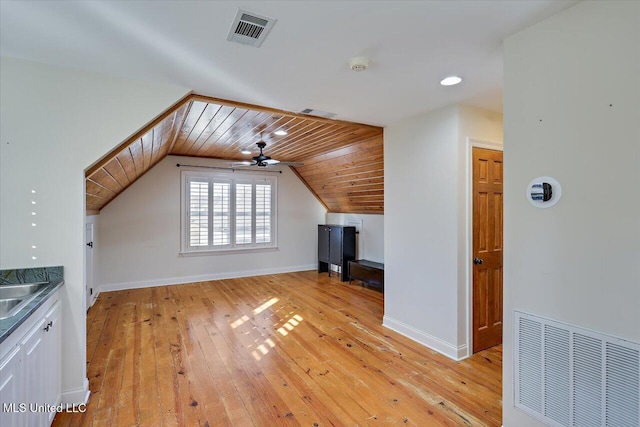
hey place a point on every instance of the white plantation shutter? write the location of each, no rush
(244, 214)
(263, 213)
(198, 213)
(227, 211)
(221, 214)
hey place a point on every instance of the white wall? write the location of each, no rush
(425, 224)
(55, 123)
(421, 228)
(371, 237)
(572, 111)
(140, 234)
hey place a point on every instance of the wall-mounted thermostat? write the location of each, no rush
(544, 192)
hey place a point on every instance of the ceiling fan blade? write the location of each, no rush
(245, 163)
(291, 164)
(271, 161)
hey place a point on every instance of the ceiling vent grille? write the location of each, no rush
(573, 377)
(250, 28)
(318, 113)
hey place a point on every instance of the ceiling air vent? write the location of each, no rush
(250, 28)
(318, 113)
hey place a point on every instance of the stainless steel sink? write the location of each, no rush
(6, 305)
(20, 290)
(14, 297)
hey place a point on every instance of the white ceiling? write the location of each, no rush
(303, 63)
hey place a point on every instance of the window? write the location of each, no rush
(227, 211)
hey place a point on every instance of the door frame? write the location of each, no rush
(89, 273)
(472, 143)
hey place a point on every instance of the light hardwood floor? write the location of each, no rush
(288, 349)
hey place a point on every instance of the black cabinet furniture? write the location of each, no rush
(368, 272)
(337, 246)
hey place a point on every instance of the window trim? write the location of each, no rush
(233, 178)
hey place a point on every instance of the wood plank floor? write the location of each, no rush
(298, 349)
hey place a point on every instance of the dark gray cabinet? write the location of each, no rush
(337, 246)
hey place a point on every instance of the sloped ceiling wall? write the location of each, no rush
(343, 161)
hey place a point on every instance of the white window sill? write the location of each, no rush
(236, 251)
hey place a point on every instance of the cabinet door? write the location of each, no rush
(34, 355)
(52, 345)
(11, 390)
(323, 243)
(335, 246)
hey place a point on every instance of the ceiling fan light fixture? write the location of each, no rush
(451, 81)
(262, 160)
(280, 132)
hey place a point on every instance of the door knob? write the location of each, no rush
(90, 244)
(477, 261)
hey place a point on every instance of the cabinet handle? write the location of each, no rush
(49, 325)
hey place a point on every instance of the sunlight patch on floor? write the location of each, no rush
(257, 310)
(284, 330)
(290, 324)
(240, 321)
(266, 305)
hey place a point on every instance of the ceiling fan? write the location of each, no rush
(264, 161)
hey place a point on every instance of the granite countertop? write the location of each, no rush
(53, 275)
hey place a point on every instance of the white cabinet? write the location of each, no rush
(52, 383)
(33, 360)
(30, 369)
(10, 389)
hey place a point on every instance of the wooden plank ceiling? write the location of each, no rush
(343, 161)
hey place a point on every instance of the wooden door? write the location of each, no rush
(487, 248)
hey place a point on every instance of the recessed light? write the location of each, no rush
(280, 132)
(246, 152)
(450, 81)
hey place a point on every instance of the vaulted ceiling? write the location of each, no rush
(342, 161)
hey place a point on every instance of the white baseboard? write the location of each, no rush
(201, 278)
(454, 352)
(77, 396)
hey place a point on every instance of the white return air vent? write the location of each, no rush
(570, 376)
(318, 113)
(250, 28)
